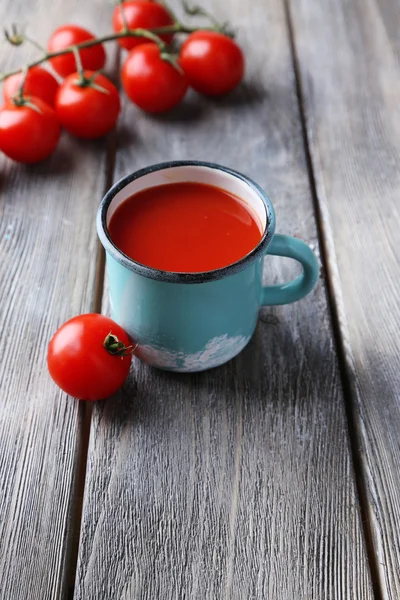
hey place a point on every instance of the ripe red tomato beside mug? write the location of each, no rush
(89, 357)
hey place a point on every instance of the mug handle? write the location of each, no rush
(285, 245)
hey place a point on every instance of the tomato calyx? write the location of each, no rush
(21, 100)
(83, 81)
(172, 60)
(117, 348)
(14, 37)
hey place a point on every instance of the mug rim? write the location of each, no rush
(183, 277)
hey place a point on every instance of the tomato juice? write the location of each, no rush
(185, 227)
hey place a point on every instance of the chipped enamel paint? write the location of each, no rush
(217, 351)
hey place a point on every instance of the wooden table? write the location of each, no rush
(275, 477)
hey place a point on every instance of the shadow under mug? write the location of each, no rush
(195, 321)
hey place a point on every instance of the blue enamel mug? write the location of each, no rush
(195, 321)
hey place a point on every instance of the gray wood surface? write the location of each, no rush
(235, 483)
(47, 269)
(349, 63)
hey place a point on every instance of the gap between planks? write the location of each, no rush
(86, 409)
(334, 310)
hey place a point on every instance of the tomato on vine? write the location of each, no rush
(87, 105)
(93, 58)
(151, 82)
(213, 62)
(89, 357)
(39, 83)
(29, 130)
(141, 14)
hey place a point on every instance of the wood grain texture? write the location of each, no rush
(235, 483)
(47, 269)
(351, 89)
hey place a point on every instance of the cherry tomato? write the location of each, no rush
(28, 133)
(213, 62)
(81, 357)
(87, 109)
(143, 14)
(39, 83)
(151, 82)
(92, 58)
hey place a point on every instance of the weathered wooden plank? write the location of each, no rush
(47, 270)
(351, 89)
(235, 483)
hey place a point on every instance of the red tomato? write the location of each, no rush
(79, 362)
(39, 83)
(213, 62)
(85, 111)
(143, 14)
(151, 82)
(28, 134)
(92, 58)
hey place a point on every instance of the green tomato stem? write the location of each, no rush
(117, 348)
(78, 61)
(25, 72)
(123, 15)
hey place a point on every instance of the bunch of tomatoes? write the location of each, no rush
(86, 103)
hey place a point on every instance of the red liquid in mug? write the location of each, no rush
(185, 227)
